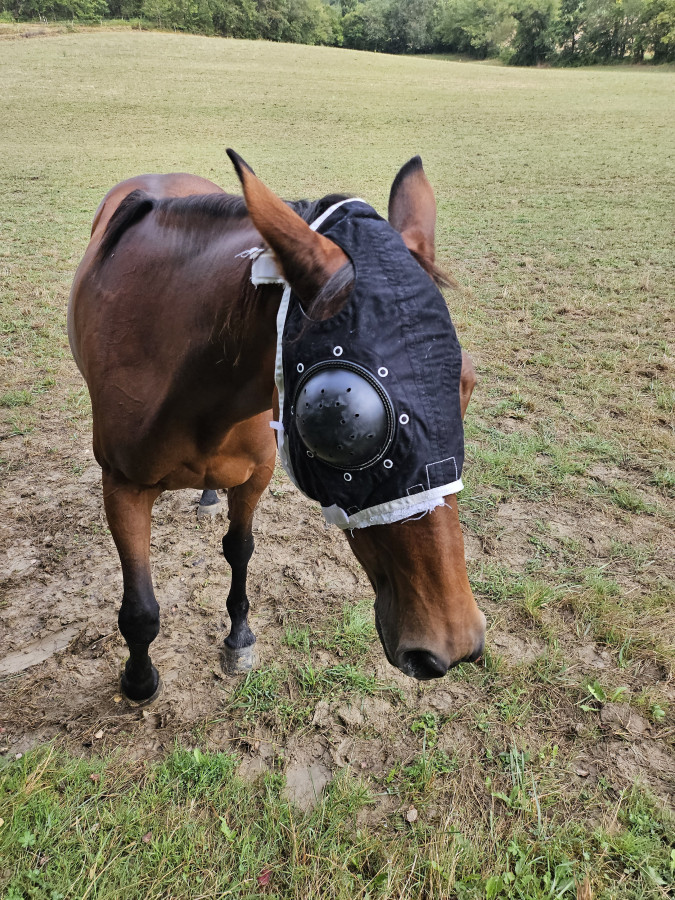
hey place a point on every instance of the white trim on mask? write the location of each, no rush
(284, 456)
(392, 510)
(331, 209)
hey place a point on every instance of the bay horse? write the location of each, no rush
(177, 348)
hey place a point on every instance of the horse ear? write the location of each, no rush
(307, 258)
(412, 209)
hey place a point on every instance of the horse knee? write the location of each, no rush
(237, 550)
(138, 619)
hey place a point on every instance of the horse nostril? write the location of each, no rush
(422, 665)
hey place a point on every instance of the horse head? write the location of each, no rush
(426, 615)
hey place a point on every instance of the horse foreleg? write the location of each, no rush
(128, 510)
(238, 547)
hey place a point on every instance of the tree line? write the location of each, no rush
(520, 32)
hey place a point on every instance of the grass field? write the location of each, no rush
(548, 768)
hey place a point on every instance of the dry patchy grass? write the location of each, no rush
(555, 205)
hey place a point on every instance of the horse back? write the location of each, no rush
(176, 184)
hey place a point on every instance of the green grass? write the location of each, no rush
(349, 636)
(641, 623)
(16, 398)
(190, 826)
(523, 592)
(287, 698)
(555, 200)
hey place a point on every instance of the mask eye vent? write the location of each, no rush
(347, 420)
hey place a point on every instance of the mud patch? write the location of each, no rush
(305, 782)
(19, 560)
(619, 718)
(625, 763)
(515, 649)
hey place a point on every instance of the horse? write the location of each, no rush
(177, 348)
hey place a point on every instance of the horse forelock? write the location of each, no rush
(309, 210)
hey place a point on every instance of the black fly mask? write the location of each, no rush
(369, 399)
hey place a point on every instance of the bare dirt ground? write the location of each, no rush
(61, 653)
(60, 650)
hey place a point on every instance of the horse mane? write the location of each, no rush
(220, 206)
(137, 204)
(132, 209)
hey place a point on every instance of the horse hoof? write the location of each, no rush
(211, 510)
(237, 662)
(134, 697)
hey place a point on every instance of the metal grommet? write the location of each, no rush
(382, 372)
(348, 476)
(388, 464)
(310, 454)
(337, 351)
(404, 419)
(300, 367)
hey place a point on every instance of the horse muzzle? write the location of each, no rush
(426, 660)
(425, 665)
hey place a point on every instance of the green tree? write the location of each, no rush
(410, 25)
(126, 9)
(605, 34)
(365, 27)
(59, 9)
(272, 19)
(310, 22)
(658, 21)
(567, 26)
(477, 27)
(235, 18)
(534, 41)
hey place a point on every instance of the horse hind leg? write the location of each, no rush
(237, 653)
(209, 504)
(128, 510)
